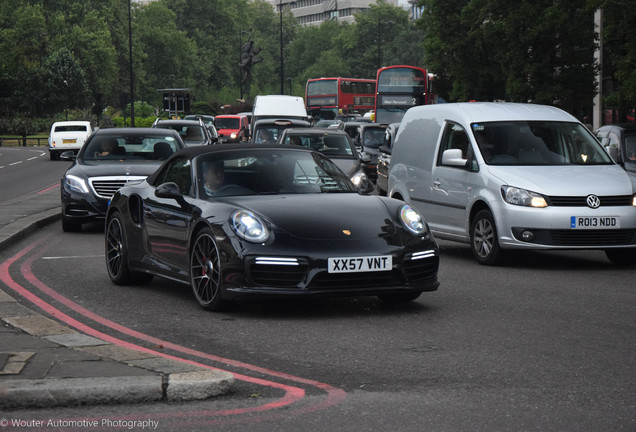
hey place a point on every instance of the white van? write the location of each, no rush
(68, 135)
(500, 176)
(280, 107)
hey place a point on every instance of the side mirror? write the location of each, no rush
(168, 190)
(366, 186)
(453, 157)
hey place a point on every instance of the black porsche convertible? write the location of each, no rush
(248, 220)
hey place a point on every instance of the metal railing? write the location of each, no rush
(22, 142)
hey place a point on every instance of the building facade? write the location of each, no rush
(314, 12)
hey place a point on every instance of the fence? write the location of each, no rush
(21, 142)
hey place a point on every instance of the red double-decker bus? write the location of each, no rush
(399, 88)
(327, 97)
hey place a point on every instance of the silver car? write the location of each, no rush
(513, 176)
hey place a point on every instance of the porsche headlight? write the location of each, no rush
(522, 197)
(249, 227)
(76, 183)
(412, 220)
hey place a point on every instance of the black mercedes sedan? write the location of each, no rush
(109, 159)
(245, 220)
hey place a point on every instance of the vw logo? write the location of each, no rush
(593, 201)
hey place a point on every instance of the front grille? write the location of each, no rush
(105, 187)
(580, 201)
(592, 237)
(324, 280)
(579, 238)
(420, 269)
(277, 272)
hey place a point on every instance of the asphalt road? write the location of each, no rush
(25, 170)
(547, 343)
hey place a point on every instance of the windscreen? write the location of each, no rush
(268, 172)
(538, 143)
(226, 123)
(109, 148)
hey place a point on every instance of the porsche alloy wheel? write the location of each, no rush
(117, 254)
(484, 240)
(205, 272)
(116, 251)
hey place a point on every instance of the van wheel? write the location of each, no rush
(484, 241)
(622, 257)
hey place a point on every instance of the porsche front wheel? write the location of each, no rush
(116, 251)
(205, 272)
(117, 254)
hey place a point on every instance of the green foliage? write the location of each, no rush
(619, 45)
(527, 51)
(539, 50)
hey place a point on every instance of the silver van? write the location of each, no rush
(501, 176)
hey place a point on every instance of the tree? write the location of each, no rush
(526, 51)
(619, 53)
(170, 57)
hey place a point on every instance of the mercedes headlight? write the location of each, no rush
(522, 197)
(249, 227)
(77, 184)
(412, 220)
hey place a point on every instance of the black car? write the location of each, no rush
(334, 144)
(620, 142)
(384, 160)
(369, 137)
(192, 132)
(240, 220)
(267, 131)
(109, 159)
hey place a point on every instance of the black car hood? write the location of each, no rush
(322, 216)
(115, 168)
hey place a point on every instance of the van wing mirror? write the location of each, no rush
(453, 157)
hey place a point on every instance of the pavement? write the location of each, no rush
(45, 363)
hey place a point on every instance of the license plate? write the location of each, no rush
(595, 222)
(69, 141)
(360, 264)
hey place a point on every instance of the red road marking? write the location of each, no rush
(292, 394)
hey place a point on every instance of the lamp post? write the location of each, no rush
(241, 59)
(282, 66)
(130, 55)
(67, 100)
(290, 84)
(282, 71)
(380, 25)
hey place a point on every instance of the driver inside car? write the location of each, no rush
(214, 176)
